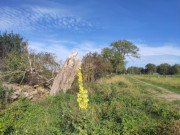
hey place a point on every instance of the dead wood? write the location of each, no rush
(64, 79)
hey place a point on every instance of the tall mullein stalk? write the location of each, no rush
(83, 94)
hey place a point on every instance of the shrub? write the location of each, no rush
(5, 94)
(94, 67)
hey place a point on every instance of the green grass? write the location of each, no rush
(143, 87)
(177, 102)
(116, 106)
(170, 82)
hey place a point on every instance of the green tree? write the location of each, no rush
(130, 70)
(116, 55)
(107, 53)
(175, 69)
(135, 70)
(125, 48)
(150, 68)
(164, 68)
(142, 70)
(11, 42)
(118, 62)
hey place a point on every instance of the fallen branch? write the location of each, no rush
(44, 82)
(50, 79)
(47, 81)
(23, 77)
(12, 73)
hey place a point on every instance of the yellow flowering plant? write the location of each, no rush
(83, 94)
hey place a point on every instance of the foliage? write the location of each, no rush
(16, 112)
(107, 53)
(116, 55)
(136, 70)
(164, 69)
(15, 63)
(45, 63)
(9, 42)
(150, 68)
(5, 94)
(21, 65)
(174, 70)
(125, 47)
(116, 106)
(13, 52)
(94, 67)
(118, 62)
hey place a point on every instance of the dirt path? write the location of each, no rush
(167, 94)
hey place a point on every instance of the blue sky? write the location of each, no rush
(64, 26)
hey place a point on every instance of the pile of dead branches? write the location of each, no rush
(29, 68)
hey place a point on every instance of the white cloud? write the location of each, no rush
(167, 49)
(168, 53)
(62, 51)
(40, 18)
(86, 47)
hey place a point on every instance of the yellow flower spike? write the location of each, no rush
(82, 95)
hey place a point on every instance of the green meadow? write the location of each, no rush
(170, 82)
(117, 105)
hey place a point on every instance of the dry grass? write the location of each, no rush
(176, 127)
(114, 79)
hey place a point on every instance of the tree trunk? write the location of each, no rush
(66, 75)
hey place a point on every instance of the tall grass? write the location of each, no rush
(170, 82)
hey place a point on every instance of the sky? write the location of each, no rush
(65, 26)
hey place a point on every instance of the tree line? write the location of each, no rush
(162, 69)
(111, 60)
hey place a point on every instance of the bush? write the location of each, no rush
(95, 67)
(5, 94)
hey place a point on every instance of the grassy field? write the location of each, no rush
(117, 105)
(169, 82)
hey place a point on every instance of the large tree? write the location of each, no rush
(11, 42)
(107, 53)
(118, 62)
(116, 55)
(164, 68)
(150, 68)
(175, 69)
(125, 48)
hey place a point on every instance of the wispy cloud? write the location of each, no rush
(40, 18)
(167, 53)
(166, 49)
(62, 51)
